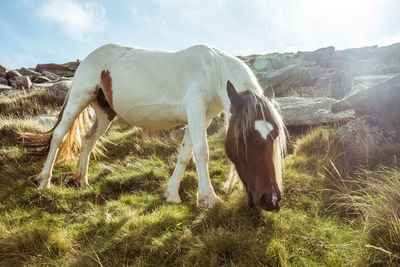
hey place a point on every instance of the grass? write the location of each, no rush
(123, 220)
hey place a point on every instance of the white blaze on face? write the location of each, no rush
(263, 127)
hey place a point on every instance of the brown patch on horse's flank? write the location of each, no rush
(106, 85)
(104, 105)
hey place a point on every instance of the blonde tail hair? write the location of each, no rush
(40, 142)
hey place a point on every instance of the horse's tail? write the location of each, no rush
(40, 142)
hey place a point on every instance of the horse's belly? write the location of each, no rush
(151, 116)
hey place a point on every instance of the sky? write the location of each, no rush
(45, 31)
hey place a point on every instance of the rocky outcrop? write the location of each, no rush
(325, 72)
(375, 133)
(23, 82)
(66, 70)
(30, 73)
(2, 69)
(336, 84)
(3, 81)
(26, 78)
(378, 99)
(298, 111)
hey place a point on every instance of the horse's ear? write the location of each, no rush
(269, 92)
(234, 96)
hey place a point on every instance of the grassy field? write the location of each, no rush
(123, 220)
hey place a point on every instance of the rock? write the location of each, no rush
(47, 120)
(28, 72)
(368, 139)
(50, 75)
(13, 83)
(298, 111)
(337, 84)
(59, 89)
(371, 80)
(67, 69)
(73, 65)
(319, 56)
(356, 89)
(62, 86)
(3, 81)
(5, 87)
(290, 80)
(23, 81)
(11, 74)
(381, 98)
(2, 69)
(42, 79)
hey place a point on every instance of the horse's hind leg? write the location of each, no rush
(76, 103)
(104, 116)
(172, 192)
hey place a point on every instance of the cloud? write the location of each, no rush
(75, 19)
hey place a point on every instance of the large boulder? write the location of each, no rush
(371, 80)
(3, 81)
(58, 89)
(295, 79)
(298, 111)
(381, 98)
(23, 82)
(375, 134)
(51, 76)
(368, 140)
(28, 72)
(337, 84)
(66, 69)
(4, 87)
(41, 79)
(12, 74)
(2, 69)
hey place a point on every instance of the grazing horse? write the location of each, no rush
(160, 90)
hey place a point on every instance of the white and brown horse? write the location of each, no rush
(161, 90)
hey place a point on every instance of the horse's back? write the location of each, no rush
(150, 87)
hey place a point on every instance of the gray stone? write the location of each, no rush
(23, 81)
(356, 89)
(381, 98)
(5, 87)
(28, 72)
(13, 83)
(42, 79)
(371, 80)
(50, 75)
(3, 81)
(298, 111)
(67, 69)
(368, 138)
(291, 80)
(11, 74)
(58, 89)
(47, 120)
(2, 69)
(338, 83)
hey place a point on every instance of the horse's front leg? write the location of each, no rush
(197, 124)
(172, 192)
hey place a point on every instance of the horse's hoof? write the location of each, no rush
(208, 202)
(44, 184)
(172, 198)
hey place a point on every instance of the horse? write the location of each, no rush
(156, 89)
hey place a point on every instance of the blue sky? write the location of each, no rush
(43, 31)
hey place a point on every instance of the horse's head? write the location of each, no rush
(253, 145)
